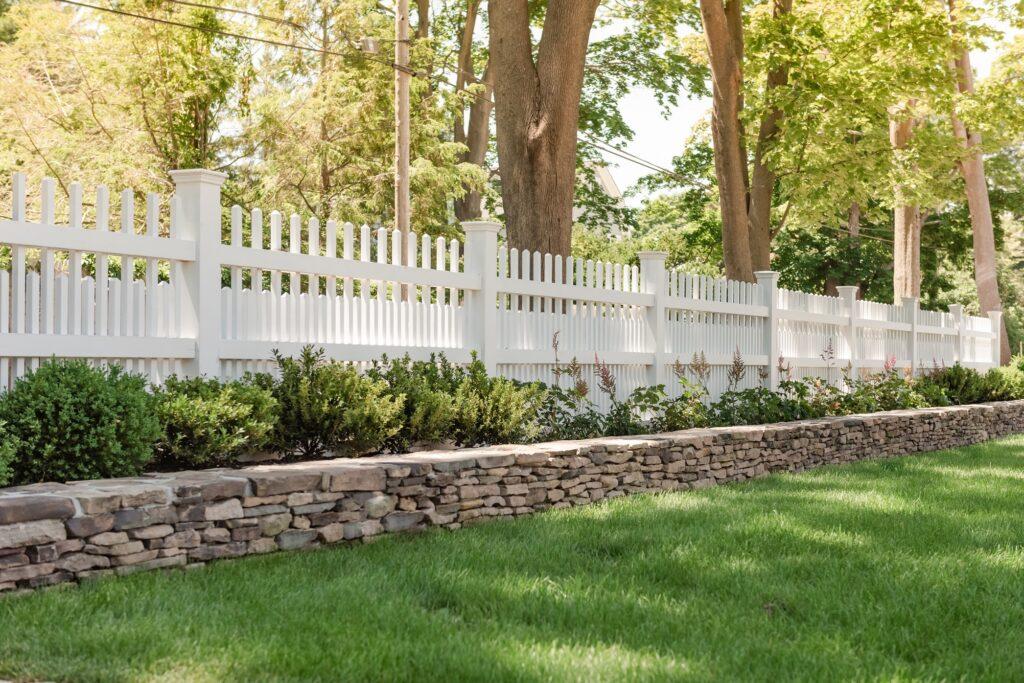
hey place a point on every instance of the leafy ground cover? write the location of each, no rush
(893, 569)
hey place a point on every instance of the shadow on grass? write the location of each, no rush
(905, 568)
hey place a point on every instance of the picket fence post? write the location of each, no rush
(199, 215)
(912, 305)
(848, 293)
(481, 258)
(653, 281)
(768, 282)
(957, 311)
(996, 320)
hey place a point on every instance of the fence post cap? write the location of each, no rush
(652, 255)
(200, 175)
(481, 226)
(848, 290)
(767, 275)
(956, 309)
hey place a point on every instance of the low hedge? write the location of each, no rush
(70, 420)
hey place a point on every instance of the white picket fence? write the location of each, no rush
(147, 294)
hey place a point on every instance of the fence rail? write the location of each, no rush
(173, 297)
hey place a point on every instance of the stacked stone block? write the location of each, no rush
(55, 533)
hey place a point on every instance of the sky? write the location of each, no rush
(659, 139)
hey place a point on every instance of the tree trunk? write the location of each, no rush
(724, 37)
(853, 220)
(537, 117)
(476, 141)
(972, 168)
(422, 19)
(906, 262)
(477, 137)
(762, 181)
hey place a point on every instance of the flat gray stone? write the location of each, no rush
(272, 525)
(359, 478)
(27, 571)
(109, 538)
(95, 501)
(275, 480)
(150, 532)
(14, 509)
(205, 553)
(296, 538)
(402, 521)
(379, 506)
(139, 517)
(80, 562)
(214, 512)
(90, 525)
(38, 532)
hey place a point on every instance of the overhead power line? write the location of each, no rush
(601, 145)
(237, 36)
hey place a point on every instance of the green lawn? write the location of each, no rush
(897, 570)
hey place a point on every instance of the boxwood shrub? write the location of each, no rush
(69, 420)
(208, 423)
(7, 453)
(328, 407)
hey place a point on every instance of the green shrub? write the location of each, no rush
(933, 394)
(327, 406)
(207, 423)
(685, 412)
(758, 405)
(8, 450)
(887, 390)
(427, 388)
(963, 386)
(1011, 378)
(70, 420)
(494, 410)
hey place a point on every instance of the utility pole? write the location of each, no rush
(402, 80)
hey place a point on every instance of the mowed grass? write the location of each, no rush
(906, 569)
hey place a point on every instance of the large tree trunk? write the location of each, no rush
(762, 180)
(477, 134)
(476, 140)
(906, 263)
(745, 199)
(537, 116)
(725, 51)
(972, 168)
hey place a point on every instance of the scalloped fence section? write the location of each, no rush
(57, 533)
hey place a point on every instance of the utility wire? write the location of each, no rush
(247, 13)
(600, 144)
(238, 36)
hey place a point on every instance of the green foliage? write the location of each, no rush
(329, 407)
(426, 389)
(963, 386)
(207, 423)
(757, 405)
(70, 420)
(8, 449)
(569, 413)
(685, 412)
(887, 390)
(494, 410)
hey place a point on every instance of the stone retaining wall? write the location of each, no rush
(54, 533)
